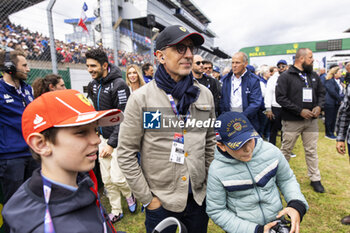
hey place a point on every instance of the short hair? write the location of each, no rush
(146, 67)
(138, 71)
(41, 85)
(13, 57)
(98, 55)
(264, 69)
(207, 62)
(244, 56)
(301, 52)
(50, 135)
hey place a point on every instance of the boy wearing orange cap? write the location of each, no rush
(60, 128)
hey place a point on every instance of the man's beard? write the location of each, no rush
(308, 68)
(20, 75)
(99, 74)
(198, 72)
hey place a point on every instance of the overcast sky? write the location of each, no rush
(237, 23)
(245, 23)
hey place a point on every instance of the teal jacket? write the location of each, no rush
(244, 196)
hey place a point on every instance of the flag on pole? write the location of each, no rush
(83, 18)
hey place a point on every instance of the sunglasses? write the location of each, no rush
(181, 48)
(281, 66)
(199, 62)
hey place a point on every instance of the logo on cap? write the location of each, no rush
(84, 99)
(237, 126)
(114, 119)
(182, 29)
(233, 145)
(38, 121)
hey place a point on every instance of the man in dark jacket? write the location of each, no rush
(301, 94)
(206, 80)
(16, 162)
(147, 70)
(245, 96)
(108, 90)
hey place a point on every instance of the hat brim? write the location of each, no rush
(284, 63)
(197, 39)
(105, 118)
(245, 137)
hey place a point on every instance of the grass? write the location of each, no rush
(326, 210)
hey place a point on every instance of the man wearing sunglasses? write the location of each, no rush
(208, 67)
(171, 179)
(206, 80)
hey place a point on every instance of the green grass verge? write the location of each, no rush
(326, 210)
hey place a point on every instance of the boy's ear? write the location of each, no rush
(39, 144)
(221, 146)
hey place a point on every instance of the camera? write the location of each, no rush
(282, 226)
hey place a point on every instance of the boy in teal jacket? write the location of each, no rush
(245, 178)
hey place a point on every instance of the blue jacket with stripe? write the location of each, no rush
(12, 105)
(244, 196)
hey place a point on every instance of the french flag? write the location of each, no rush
(83, 18)
(148, 40)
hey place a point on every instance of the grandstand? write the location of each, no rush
(127, 35)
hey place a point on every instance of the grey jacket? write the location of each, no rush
(157, 176)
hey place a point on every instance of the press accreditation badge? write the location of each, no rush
(307, 95)
(177, 154)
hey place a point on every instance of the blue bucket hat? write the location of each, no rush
(235, 130)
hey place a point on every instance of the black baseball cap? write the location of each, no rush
(174, 34)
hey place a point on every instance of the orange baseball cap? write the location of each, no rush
(65, 108)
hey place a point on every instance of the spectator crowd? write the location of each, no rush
(37, 47)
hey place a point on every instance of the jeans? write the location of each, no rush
(13, 173)
(193, 217)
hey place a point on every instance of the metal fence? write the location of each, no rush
(25, 26)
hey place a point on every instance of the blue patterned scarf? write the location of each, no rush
(184, 90)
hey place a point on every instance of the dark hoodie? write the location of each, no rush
(73, 212)
(108, 93)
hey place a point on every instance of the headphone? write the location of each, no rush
(9, 67)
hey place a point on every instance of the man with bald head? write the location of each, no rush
(301, 94)
(206, 80)
(241, 90)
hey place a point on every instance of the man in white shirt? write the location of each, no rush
(273, 109)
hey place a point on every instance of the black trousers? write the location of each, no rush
(276, 124)
(330, 114)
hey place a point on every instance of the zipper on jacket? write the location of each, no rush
(257, 191)
(98, 102)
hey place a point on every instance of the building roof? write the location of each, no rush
(9, 7)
